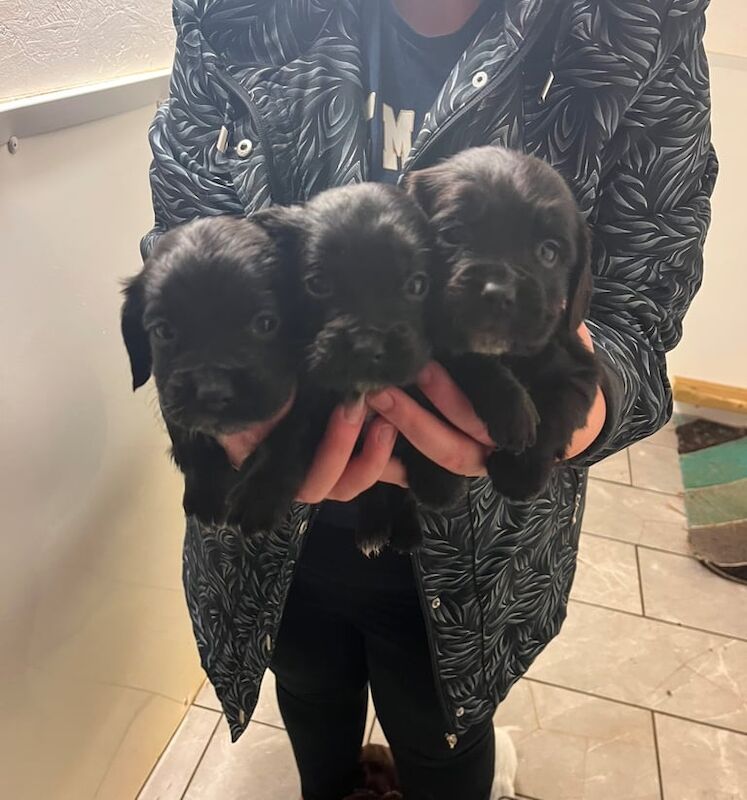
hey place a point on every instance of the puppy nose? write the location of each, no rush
(214, 391)
(371, 348)
(500, 296)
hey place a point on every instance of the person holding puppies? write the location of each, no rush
(272, 103)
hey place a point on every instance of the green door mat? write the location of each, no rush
(713, 459)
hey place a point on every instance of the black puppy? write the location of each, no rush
(209, 315)
(513, 258)
(362, 255)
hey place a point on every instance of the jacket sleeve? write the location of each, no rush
(649, 231)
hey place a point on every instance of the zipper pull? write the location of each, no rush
(546, 86)
(222, 144)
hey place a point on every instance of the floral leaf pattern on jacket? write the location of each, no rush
(625, 120)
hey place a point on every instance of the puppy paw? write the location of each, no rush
(405, 540)
(253, 515)
(208, 510)
(406, 533)
(518, 476)
(373, 531)
(437, 488)
(371, 543)
(514, 422)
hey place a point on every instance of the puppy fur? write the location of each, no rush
(362, 255)
(514, 284)
(208, 315)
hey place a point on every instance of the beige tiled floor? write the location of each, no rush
(643, 695)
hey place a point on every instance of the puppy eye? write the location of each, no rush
(549, 252)
(417, 285)
(453, 235)
(265, 324)
(164, 332)
(318, 285)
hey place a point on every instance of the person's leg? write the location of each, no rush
(408, 708)
(319, 664)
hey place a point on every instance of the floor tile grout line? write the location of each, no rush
(163, 752)
(202, 757)
(640, 488)
(658, 757)
(638, 544)
(207, 708)
(640, 581)
(639, 707)
(371, 728)
(168, 744)
(269, 725)
(630, 466)
(728, 636)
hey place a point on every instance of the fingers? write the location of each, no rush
(334, 452)
(437, 385)
(394, 472)
(584, 437)
(239, 446)
(585, 336)
(437, 440)
(365, 469)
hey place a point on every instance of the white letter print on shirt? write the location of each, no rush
(397, 136)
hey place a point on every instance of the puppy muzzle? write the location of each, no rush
(498, 308)
(220, 401)
(357, 359)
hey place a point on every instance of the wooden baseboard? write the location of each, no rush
(710, 395)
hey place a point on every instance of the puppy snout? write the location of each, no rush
(370, 347)
(500, 296)
(213, 390)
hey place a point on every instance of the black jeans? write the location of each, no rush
(349, 622)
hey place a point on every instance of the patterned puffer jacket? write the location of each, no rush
(268, 105)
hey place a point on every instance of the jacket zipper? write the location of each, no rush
(519, 56)
(232, 86)
(432, 646)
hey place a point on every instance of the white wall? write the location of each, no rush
(97, 657)
(55, 44)
(714, 345)
(727, 27)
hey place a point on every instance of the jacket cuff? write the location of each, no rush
(612, 388)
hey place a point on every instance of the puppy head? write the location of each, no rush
(362, 259)
(515, 247)
(206, 316)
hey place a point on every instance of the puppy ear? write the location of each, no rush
(285, 224)
(580, 283)
(133, 332)
(420, 186)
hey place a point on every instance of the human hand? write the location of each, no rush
(337, 474)
(462, 446)
(585, 437)
(239, 446)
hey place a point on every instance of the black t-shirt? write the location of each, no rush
(406, 71)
